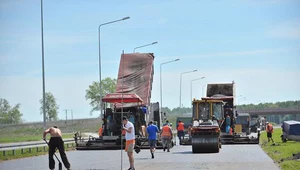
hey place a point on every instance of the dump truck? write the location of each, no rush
(131, 99)
(226, 93)
(207, 122)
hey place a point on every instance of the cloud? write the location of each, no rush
(286, 30)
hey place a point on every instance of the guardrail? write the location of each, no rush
(12, 151)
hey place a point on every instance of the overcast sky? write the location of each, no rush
(255, 43)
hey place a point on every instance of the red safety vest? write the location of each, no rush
(166, 131)
(180, 126)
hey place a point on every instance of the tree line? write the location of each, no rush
(260, 106)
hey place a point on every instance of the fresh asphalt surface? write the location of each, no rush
(233, 157)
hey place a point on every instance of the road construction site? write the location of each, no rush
(234, 157)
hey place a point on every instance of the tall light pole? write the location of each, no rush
(43, 67)
(144, 46)
(161, 80)
(181, 84)
(100, 102)
(191, 88)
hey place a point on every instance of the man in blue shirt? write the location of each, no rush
(152, 130)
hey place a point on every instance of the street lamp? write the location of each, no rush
(43, 68)
(161, 80)
(191, 88)
(181, 83)
(144, 46)
(100, 103)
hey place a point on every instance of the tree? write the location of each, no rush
(8, 114)
(51, 107)
(93, 92)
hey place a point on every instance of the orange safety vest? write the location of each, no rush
(269, 128)
(230, 131)
(166, 131)
(100, 131)
(180, 126)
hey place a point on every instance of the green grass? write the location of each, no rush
(282, 151)
(26, 152)
(6, 138)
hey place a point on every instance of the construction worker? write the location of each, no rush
(130, 141)
(190, 130)
(228, 123)
(56, 142)
(180, 131)
(152, 130)
(269, 130)
(166, 136)
(100, 131)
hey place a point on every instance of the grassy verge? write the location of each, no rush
(6, 138)
(281, 150)
(29, 152)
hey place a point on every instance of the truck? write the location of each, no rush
(209, 120)
(226, 93)
(131, 99)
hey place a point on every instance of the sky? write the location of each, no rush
(252, 42)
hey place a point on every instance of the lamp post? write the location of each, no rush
(100, 102)
(181, 84)
(144, 46)
(43, 67)
(161, 80)
(191, 88)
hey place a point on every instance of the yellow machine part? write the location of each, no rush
(238, 128)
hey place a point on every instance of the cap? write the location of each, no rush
(267, 122)
(124, 118)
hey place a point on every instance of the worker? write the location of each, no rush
(269, 130)
(180, 131)
(110, 125)
(190, 130)
(228, 123)
(152, 130)
(100, 131)
(130, 140)
(166, 136)
(167, 123)
(131, 119)
(56, 142)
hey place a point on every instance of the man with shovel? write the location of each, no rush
(56, 142)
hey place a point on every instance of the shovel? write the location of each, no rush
(59, 164)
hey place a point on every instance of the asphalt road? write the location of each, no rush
(233, 157)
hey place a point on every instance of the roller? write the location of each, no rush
(205, 144)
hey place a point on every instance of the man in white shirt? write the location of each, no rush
(130, 140)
